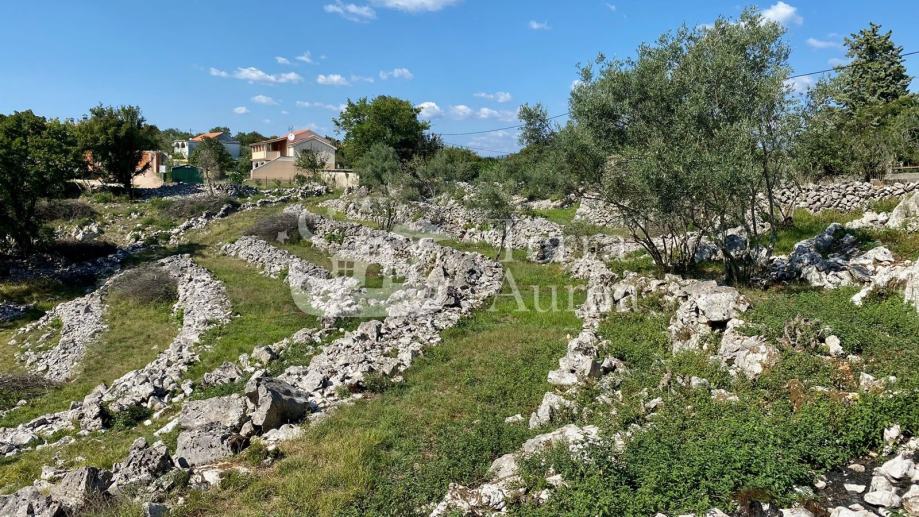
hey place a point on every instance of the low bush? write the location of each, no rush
(69, 209)
(79, 251)
(280, 227)
(185, 208)
(16, 387)
(146, 284)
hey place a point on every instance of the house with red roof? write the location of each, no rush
(275, 159)
(184, 148)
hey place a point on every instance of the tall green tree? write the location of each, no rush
(857, 122)
(213, 159)
(876, 73)
(386, 120)
(117, 138)
(381, 171)
(37, 157)
(695, 131)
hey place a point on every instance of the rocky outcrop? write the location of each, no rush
(707, 310)
(842, 196)
(906, 214)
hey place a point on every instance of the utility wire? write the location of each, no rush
(834, 69)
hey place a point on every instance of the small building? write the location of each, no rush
(187, 174)
(275, 159)
(151, 170)
(184, 148)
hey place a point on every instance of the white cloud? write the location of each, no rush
(414, 6)
(254, 75)
(783, 13)
(822, 43)
(332, 80)
(396, 73)
(240, 110)
(611, 7)
(800, 84)
(264, 99)
(306, 57)
(321, 105)
(282, 60)
(504, 115)
(837, 61)
(429, 110)
(285, 112)
(539, 26)
(575, 83)
(216, 72)
(361, 79)
(351, 12)
(497, 96)
(460, 111)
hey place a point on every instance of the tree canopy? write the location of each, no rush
(37, 156)
(384, 120)
(117, 138)
(694, 131)
(213, 159)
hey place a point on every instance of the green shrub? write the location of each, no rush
(67, 209)
(185, 208)
(280, 227)
(15, 387)
(146, 284)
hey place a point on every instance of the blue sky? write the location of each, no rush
(195, 64)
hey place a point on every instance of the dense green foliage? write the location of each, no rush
(695, 128)
(37, 156)
(862, 121)
(384, 120)
(116, 137)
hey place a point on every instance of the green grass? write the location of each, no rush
(560, 216)
(137, 333)
(401, 448)
(98, 449)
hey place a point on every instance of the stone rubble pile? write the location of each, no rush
(842, 196)
(81, 321)
(595, 211)
(505, 485)
(441, 285)
(831, 259)
(315, 290)
(204, 305)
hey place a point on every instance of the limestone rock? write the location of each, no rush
(228, 411)
(276, 402)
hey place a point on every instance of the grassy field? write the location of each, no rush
(400, 449)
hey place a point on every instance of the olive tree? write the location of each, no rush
(695, 132)
(213, 159)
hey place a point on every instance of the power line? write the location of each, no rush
(834, 69)
(498, 129)
(842, 67)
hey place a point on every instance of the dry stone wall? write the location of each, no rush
(842, 196)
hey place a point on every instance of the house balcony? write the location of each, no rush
(266, 155)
